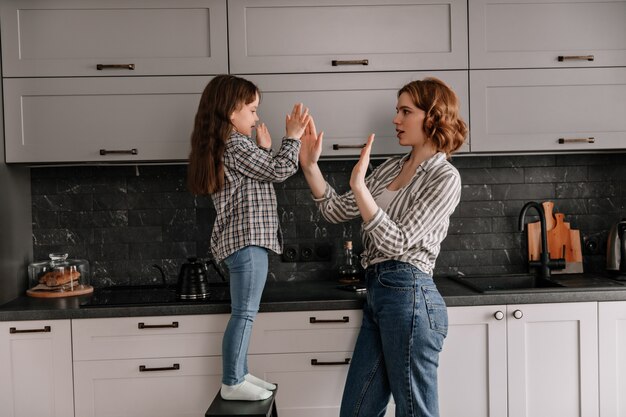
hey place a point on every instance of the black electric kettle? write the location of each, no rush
(193, 283)
(616, 249)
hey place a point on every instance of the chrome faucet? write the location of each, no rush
(545, 263)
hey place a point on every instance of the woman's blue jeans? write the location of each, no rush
(248, 273)
(405, 322)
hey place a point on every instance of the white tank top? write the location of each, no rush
(385, 198)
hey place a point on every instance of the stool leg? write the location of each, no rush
(274, 412)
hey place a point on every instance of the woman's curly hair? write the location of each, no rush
(443, 124)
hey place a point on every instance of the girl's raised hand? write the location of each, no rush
(357, 180)
(311, 147)
(297, 121)
(263, 138)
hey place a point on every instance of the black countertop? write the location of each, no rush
(299, 296)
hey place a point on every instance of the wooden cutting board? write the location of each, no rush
(563, 242)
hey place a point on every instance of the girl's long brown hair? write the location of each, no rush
(212, 127)
(443, 124)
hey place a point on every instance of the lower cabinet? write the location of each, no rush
(543, 358)
(612, 348)
(36, 369)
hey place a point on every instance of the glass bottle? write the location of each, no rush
(348, 270)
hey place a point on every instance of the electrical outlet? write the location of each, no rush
(291, 253)
(307, 253)
(323, 252)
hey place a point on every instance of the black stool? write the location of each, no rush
(227, 408)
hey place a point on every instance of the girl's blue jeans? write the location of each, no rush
(405, 322)
(248, 273)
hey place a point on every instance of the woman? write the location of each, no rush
(405, 205)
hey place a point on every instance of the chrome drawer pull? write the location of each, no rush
(121, 151)
(345, 319)
(337, 147)
(337, 63)
(562, 58)
(174, 325)
(100, 67)
(315, 362)
(175, 367)
(577, 140)
(46, 329)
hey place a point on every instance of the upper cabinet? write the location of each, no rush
(555, 34)
(42, 38)
(296, 36)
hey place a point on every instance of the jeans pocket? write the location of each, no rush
(399, 279)
(436, 309)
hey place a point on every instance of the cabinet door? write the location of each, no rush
(612, 335)
(553, 360)
(166, 387)
(304, 389)
(43, 38)
(36, 363)
(285, 36)
(148, 337)
(347, 107)
(472, 365)
(100, 119)
(534, 34)
(548, 110)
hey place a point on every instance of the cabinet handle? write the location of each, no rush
(562, 58)
(345, 319)
(46, 329)
(518, 314)
(101, 67)
(175, 367)
(174, 325)
(337, 63)
(577, 140)
(120, 151)
(498, 315)
(315, 362)
(336, 146)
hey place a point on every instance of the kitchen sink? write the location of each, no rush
(507, 283)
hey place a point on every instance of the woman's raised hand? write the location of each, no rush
(311, 147)
(357, 179)
(297, 121)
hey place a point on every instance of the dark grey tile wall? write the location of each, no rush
(125, 219)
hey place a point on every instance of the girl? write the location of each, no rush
(405, 205)
(238, 174)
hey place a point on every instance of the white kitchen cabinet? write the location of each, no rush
(545, 110)
(288, 36)
(347, 107)
(162, 366)
(535, 34)
(612, 336)
(553, 360)
(36, 363)
(520, 360)
(92, 38)
(472, 366)
(100, 119)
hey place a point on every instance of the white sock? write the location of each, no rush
(246, 391)
(259, 382)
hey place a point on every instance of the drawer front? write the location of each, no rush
(71, 37)
(366, 103)
(148, 337)
(284, 36)
(119, 388)
(548, 110)
(534, 34)
(79, 119)
(313, 331)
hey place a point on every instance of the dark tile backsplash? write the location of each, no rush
(125, 219)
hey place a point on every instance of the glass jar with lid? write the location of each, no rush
(59, 276)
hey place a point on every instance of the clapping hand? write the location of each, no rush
(357, 179)
(263, 138)
(311, 147)
(297, 121)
